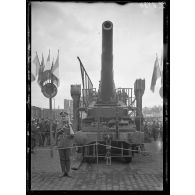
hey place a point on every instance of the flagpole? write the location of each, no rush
(51, 121)
(54, 108)
(51, 139)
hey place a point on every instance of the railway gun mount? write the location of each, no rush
(109, 120)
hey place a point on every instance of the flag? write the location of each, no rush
(48, 64)
(161, 91)
(156, 74)
(161, 71)
(32, 77)
(41, 69)
(35, 70)
(42, 63)
(55, 69)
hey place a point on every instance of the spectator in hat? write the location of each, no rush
(146, 132)
(42, 132)
(155, 130)
(161, 131)
(38, 138)
(47, 132)
(33, 132)
(54, 126)
(64, 139)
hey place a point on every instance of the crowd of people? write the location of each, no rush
(153, 130)
(40, 132)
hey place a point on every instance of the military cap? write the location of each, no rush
(63, 113)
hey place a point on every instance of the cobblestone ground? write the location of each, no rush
(145, 172)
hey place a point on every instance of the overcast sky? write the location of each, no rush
(75, 29)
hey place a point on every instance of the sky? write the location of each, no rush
(75, 29)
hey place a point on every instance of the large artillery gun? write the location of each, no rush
(110, 116)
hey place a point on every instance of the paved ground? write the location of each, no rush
(143, 173)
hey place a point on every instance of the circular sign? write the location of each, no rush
(49, 83)
(49, 90)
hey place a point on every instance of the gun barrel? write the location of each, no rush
(107, 82)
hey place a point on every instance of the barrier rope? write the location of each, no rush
(81, 146)
(57, 148)
(141, 151)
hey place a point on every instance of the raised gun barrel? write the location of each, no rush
(107, 82)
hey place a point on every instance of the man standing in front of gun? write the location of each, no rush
(64, 138)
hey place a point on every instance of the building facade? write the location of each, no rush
(38, 113)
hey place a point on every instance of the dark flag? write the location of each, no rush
(156, 74)
(161, 71)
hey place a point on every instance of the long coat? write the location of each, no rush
(64, 139)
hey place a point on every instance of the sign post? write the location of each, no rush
(48, 81)
(49, 90)
(51, 124)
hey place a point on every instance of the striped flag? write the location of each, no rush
(156, 74)
(41, 69)
(35, 68)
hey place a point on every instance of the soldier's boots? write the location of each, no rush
(65, 174)
(62, 175)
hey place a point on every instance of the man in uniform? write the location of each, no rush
(64, 138)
